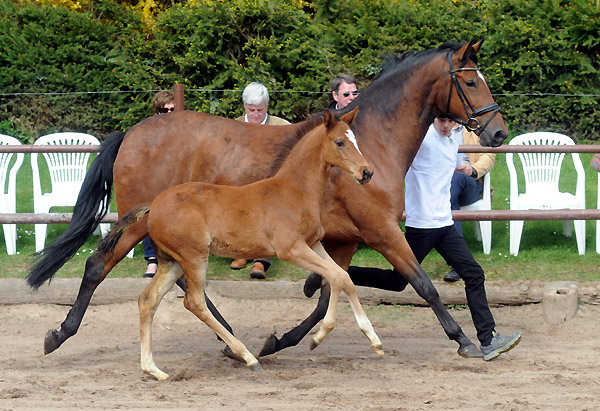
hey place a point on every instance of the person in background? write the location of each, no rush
(595, 162)
(344, 90)
(163, 102)
(467, 181)
(256, 104)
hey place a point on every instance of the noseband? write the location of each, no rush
(472, 124)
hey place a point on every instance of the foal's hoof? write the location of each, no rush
(228, 352)
(470, 351)
(256, 367)
(270, 346)
(51, 342)
(378, 348)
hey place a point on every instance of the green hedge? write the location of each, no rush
(546, 47)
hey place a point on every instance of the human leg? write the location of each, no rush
(453, 248)
(260, 267)
(150, 257)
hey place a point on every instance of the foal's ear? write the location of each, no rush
(328, 119)
(348, 118)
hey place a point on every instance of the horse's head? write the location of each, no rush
(470, 101)
(341, 147)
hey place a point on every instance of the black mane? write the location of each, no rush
(386, 91)
(392, 62)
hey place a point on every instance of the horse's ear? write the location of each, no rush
(328, 119)
(477, 46)
(348, 118)
(466, 51)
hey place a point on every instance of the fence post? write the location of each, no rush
(179, 100)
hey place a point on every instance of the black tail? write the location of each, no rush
(91, 206)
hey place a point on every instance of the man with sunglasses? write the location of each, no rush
(163, 102)
(344, 90)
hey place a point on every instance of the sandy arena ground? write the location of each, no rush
(556, 367)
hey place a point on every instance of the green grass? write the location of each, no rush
(545, 254)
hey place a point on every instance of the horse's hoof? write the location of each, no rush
(51, 342)
(270, 346)
(228, 352)
(313, 345)
(470, 351)
(378, 349)
(312, 284)
(255, 367)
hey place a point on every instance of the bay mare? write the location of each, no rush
(278, 216)
(395, 111)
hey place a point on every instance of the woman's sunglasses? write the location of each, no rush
(164, 110)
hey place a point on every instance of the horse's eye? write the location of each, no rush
(340, 143)
(471, 83)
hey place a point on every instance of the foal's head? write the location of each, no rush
(341, 147)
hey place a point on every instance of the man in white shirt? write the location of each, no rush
(429, 225)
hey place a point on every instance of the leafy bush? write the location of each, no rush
(535, 53)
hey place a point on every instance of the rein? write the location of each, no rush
(472, 124)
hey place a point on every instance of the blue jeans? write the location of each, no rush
(464, 190)
(148, 250)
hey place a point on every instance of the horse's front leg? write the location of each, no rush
(396, 250)
(341, 253)
(301, 254)
(97, 268)
(361, 317)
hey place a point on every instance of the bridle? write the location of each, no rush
(472, 124)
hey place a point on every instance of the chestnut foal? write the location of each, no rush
(279, 216)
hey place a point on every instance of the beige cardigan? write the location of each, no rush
(482, 162)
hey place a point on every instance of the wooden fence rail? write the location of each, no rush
(460, 215)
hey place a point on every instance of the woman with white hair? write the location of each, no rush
(256, 103)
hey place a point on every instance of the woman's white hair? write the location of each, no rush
(255, 93)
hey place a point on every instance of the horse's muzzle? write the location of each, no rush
(367, 174)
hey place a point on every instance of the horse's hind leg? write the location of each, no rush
(97, 268)
(194, 301)
(183, 285)
(150, 298)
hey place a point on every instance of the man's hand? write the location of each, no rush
(465, 168)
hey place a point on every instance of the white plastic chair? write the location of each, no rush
(8, 193)
(542, 174)
(483, 229)
(67, 172)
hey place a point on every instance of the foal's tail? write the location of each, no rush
(110, 240)
(91, 206)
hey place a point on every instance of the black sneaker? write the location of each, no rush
(451, 277)
(500, 344)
